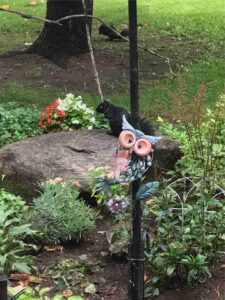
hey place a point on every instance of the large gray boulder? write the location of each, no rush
(26, 163)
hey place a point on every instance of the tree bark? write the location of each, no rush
(58, 43)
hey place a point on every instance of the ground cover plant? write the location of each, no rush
(17, 124)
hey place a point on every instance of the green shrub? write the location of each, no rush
(60, 215)
(17, 124)
(13, 232)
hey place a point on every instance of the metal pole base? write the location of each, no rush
(136, 273)
(3, 287)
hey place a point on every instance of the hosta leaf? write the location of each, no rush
(23, 229)
(170, 270)
(147, 190)
(21, 267)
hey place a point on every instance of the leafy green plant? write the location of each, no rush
(188, 234)
(13, 249)
(196, 266)
(100, 180)
(201, 134)
(17, 124)
(14, 202)
(60, 214)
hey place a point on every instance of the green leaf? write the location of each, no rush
(170, 270)
(147, 190)
(23, 229)
(21, 267)
(44, 291)
(58, 297)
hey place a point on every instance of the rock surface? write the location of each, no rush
(26, 163)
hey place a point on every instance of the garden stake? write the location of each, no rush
(3, 287)
(136, 266)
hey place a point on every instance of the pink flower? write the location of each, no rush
(76, 182)
(49, 108)
(40, 124)
(61, 114)
(40, 115)
(56, 103)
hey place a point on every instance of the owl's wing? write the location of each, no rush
(126, 125)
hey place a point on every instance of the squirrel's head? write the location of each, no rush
(102, 29)
(101, 108)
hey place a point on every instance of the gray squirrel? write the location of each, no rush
(115, 115)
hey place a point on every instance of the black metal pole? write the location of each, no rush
(3, 287)
(136, 272)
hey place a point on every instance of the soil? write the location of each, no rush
(112, 64)
(114, 273)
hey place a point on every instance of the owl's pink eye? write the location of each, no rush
(127, 139)
(142, 147)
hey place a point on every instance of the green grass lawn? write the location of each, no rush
(204, 18)
(201, 20)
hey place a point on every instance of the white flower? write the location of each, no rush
(83, 107)
(89, 111)
(92, 120)
(79, 98)
(78, 104)
(69, 96)
(61, 105)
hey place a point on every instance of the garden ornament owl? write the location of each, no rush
(133, 157)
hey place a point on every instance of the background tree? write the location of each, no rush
(58, 43)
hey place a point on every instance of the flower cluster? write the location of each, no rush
(60, 180)
(52, 117)
(67, 114)
(79, 116)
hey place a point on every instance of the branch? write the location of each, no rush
(28, 16)
(58, 22)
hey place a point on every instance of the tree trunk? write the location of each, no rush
(58, 43)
